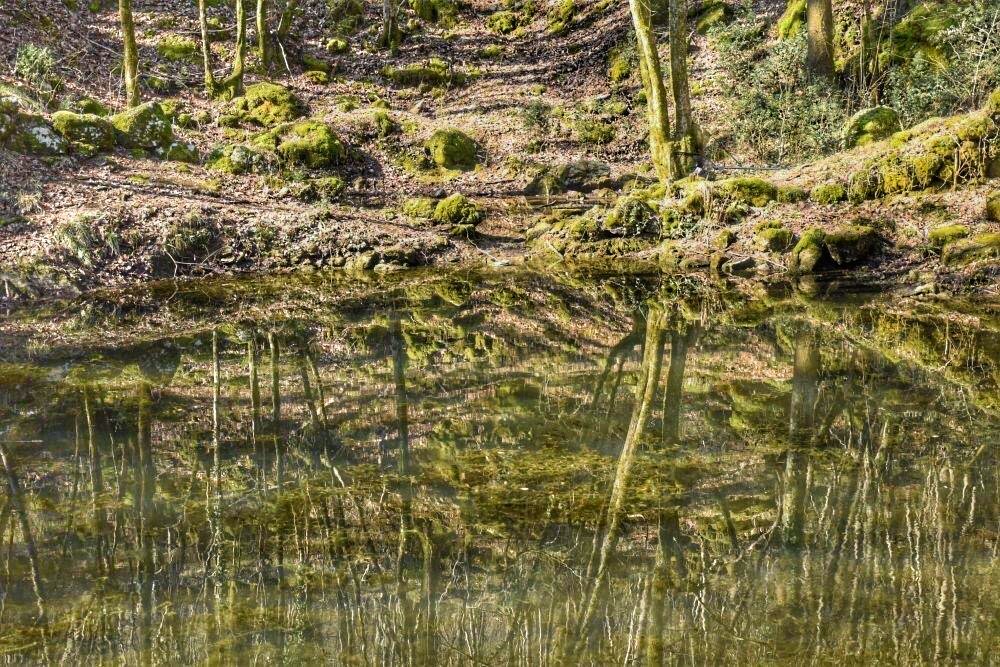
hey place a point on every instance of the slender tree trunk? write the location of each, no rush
(19, 508)
(685, 130)
(805, 388)
(130, 56)
(819, 21)
(206, 49)
(660, 145)
(232, 85)
(263, 35)
(389, 37)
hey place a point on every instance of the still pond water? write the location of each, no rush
(500, 468)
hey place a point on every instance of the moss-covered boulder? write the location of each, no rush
(181, 151)
(982, 247)
(144, 126)
(578, 176)
(772, 236)
(322, 189)
(941, 236)
(90, 105)
(88, 134)
(870, 125)
(435, 72)
(829, 193)
(32, 134)
(712, 13)
(336, 45)
(851, 244)
(420, 208)
(452, 149)
(631, 216)
(241, 159)
(177, 48)
(792, 194)
(993, 206)
(808, 253)
(747, 190)
(503, 22)
(263, 105)
(459, 213)
(306, 143)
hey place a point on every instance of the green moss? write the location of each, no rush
(714, 13)
(851, 244)
(560, 16)
(91, 106)
(313, 64)
(772, 236)
(317, 78)
(621, 63)
(491, 51)
(144, 126)
(981, 247)
(591, 130)
(306, 143)
(324, 189)
(918, 32)
(385, 125)
(33, 135)
(177, 48)
(461, 214)
(336, 45)
(829, 193)
(871, 125)
(579, 175)
(435, 72)
(421, 208)
(631, 216)
(939, 237)
(993, 206)
(87, 133)
(452, 149)
(748, 190)
(502, 22)
(442, 12)
(181, 151)
(808, 253)
(791, 22)
(724, 239)
(264, 105)
(791, 194)
(241, 159)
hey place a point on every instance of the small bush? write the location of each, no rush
(34, 64)
(537, 115)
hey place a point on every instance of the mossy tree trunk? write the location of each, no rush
(263, 35)
(660, 146)
(819, 23)
(389, 37)
(805, 390)
(685, 129)
(130, 55)
(232, 85)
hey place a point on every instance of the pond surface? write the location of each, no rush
(500, 468)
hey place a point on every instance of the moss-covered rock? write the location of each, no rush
(317, 78)
(241, 159)
(748, 190)
(263, 105)
(578, 176)
(791, 22)
(631, 216)
(808, 253)
(323, 189)
(181, 151)
(560, 16)
(452, 149)
(939, 237)
(313, 64)
(435, 72)
(993, 206)
(144, 126)
(871, 125)
(336, 45)
(982, 247)
(829, 193)
(724, 239)
(461, 214)
(772, 236)
(90, 105)
(713, 13)
(851, 244)
(88, 134)
(420, 208)
(792, 194)
(33, 135)
(502, 22)
(306, 143)
(177, 48)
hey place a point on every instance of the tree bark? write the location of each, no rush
(685, 130)
(660, 146)
(232, 85)
(263, 35)
(819, 22)
(130, 55)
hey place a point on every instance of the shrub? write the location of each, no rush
(537, 115)
(35, 64)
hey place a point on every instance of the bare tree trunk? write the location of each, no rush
(130, 56)
(263, 35)
(232, 85)
(206, 48)
(819, 21)
(389, 37)
(805, 379)
(660, 146)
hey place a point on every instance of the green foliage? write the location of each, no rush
(713, 14)
(592, 130)
(189, 239)
(263, 104)
(779, 113)
(87, 237)
(537, 115)
(35, 65)
(177, 48)
(435, 72)
(560, 16)
(503, 22)
(939, 237)
(829, 193)
(746, 190)
(452, 149)
(144, 126)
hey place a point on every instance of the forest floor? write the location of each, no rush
(563, 77)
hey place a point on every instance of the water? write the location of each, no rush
(500, 468)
